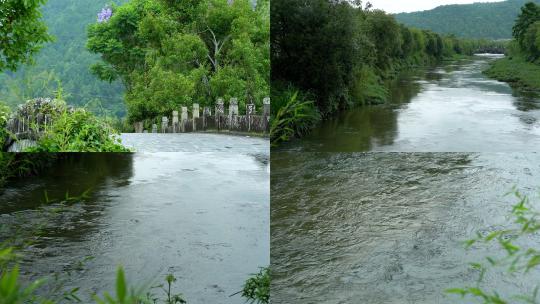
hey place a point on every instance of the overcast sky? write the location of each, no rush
(398, 6)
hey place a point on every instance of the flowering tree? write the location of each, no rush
(105, 15)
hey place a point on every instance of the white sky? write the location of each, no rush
(399, 6)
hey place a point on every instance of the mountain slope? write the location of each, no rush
(478, 20)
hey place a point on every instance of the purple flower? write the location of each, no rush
(104, 15)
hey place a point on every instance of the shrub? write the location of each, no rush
(79, 131)
(294, 117)
(257, 288)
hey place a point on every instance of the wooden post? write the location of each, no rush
(207, 112)
(139, 126)
(195, 115)
(220, 111)
(266, 113)
(233, 113)
(175, 121)
(184, 118)
(164, 124)
(250, 111)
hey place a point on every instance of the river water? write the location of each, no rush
(451, 107)
(388, 227)
(202, 216)
(188, 142)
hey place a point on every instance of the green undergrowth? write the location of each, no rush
(79, 131)
(14, 165)
(295, 114)
(517, 71)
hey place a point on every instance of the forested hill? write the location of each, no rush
(65, 61)
(478, 20)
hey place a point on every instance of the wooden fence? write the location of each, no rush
(220, 120)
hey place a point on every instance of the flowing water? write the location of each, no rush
(187, 142)
(388, 227)
(202, 216)
(452, 107)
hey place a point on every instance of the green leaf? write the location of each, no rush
(121, 285)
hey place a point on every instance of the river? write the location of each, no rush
(189, 142)
(449, 108)
(388, 227)
(202, 216)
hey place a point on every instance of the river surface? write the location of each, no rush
(388, 227)
(452, 107)
(188, 142)
(201, 216)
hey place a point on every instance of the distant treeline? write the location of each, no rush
(338, 54)
(491, 20)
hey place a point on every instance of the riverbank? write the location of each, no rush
(421, 114)
(516, 71)
(13, 165)
(296, 112)
(298, 115)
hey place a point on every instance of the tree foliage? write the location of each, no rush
(63, 64)
(526, 31)
(169, 54)
(22, 32)
(341, 54)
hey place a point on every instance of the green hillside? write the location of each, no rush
(65, 61)
(479, 20)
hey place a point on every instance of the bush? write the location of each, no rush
(79, 131)
(257, 288)
(294, 117)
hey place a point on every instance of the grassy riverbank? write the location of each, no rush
(521, 68)
(517, 71)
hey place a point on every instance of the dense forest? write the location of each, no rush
(168, 54)
(329, 55)
(62, 66)
(477, 20)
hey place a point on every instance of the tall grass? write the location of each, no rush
(295, 116)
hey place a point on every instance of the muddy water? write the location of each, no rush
(452, 107)
(188, 142)
(203, 217)
(388, 227)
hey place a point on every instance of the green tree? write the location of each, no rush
(22, 33)
(530, 13)
(169, 55)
